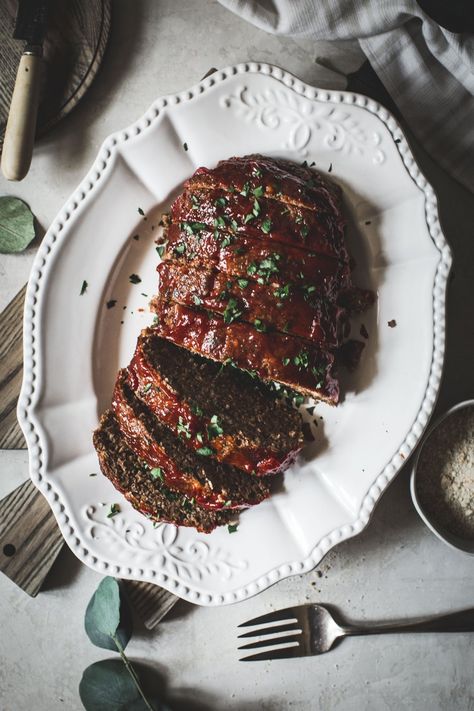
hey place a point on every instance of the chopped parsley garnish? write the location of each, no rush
(304, 231)
(143, 294)
(146, 388)
(93, 474)
(232, 527)
(179, 249)
(256, 208)
(257, 172)
(183, 428)
(111, 303)
(243, 283)
(285, 211)
(259, 191)
(226, 241)
(245, 189)
(161, 248)
(231, 311)
(298, 400)
(193, 228)
(228, 503)
(301, 360)
(248, 218)
(308, 290)
(185, 146)
(330, 168)
(197, 300)
(299, 218)
(266, 225)
(234, 225)
(282, 292)
(134, 279)
(199, 437)
(196, 410)
(259, 325)
(319, 373)
(195, 200)
(156, 473)
(84, 287)
(214, 429)
(205, 451)
(285, 361)
(219, 222)
(114, 510)
(220, 202)
(140, 211)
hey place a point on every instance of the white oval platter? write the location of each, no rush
(74, 344)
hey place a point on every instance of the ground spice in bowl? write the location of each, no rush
(445, 474)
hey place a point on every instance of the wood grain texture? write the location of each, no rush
(73, 50)
(11, 372)
(150, 601)
(30, 539)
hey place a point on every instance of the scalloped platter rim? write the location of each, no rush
(73, 344)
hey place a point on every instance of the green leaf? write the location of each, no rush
(16, 225)
(107, 686)
(108, 615)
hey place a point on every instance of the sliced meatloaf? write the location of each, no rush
(131, 476)
(215, 407)
(270, 263)
(272, 356)
(296, 310)
(281, 180)
(195, 473)
(261, 218)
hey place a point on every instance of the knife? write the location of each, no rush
(31, 23)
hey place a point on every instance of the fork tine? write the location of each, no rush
(285, 653)
(270, 642)
(270, 630)
(277, 615)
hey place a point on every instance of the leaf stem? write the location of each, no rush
(132, 672)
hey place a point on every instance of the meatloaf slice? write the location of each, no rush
(150, 496)
(212, 406)
(289, 309)
(261, 218)
(281, 180)
(272, 356)
(243, 256)
(195, 473)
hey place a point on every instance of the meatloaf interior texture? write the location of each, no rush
(255, 295)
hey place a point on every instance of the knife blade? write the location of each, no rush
(31, 26)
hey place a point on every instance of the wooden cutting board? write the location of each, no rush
(30, 539)
(73, 50)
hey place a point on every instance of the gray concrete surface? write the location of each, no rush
(394, 569)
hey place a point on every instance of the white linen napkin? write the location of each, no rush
(427, 70)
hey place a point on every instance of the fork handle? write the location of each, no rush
(462, 621)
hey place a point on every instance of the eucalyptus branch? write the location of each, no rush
(131, 671)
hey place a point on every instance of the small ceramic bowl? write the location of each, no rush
(452, 540)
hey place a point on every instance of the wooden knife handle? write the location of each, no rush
(21, 124)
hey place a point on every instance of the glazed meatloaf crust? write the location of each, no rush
(215, 407)
(212, 484)
(254, 268)
(271, 356)
(298, 311)
(255, 293)
(150, 496)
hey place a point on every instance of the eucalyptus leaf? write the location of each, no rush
(108, 615)
(16, 225)
(108, 686)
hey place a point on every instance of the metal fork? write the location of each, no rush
(309, 630)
